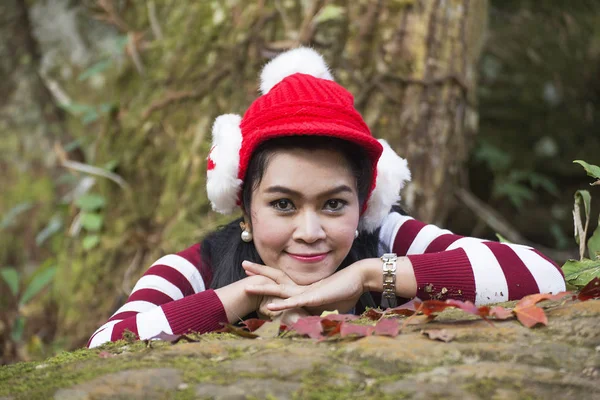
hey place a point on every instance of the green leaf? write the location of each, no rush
(580, 273)
(496, 158)
(90, 202)
(592, 170)
(13, 213)
(54, 225)
(594, 243)
(330, 12)
(40, 281)
(90, 241)
(94, 70)
(516, 193)
(92, 221)
(502, 239)
(11, 277)
(17, 329)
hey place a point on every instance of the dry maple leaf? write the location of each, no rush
(254, 323)
(500, 312)
(529, 314)
(310, 326)
(348, 328)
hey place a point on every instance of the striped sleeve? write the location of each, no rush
(464, 268)
(170, 297)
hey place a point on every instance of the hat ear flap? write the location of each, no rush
(222, 182)
(392, 174)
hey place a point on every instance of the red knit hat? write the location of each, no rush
(299, 98)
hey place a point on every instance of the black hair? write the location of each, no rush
(223, 249)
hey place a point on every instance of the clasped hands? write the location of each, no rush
(339, 291)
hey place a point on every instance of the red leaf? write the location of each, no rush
(341, 317)
(330, 327)
(430, 306)
(406, 309)
(533, 299)
(310, 326)
(418, 319)
(590, 291)
(531, 316)
(372, 314)
(439, 334)
(348, 328)
(254, 323)
(387, 327)
(500, 312)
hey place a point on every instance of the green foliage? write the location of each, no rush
(91, 221)
(39, 281)
(90, 202)
(580, 273)
(54, 225)
(11, 277)
(90, 241)
(11, 216)
(592, 170)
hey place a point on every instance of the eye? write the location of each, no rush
(335, 204)
(282, 205)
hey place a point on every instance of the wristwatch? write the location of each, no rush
(389, 276)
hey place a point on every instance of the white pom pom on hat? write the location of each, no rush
(302, 60)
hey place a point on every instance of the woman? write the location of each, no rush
(320, 227)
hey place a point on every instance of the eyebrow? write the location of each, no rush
(286, 190)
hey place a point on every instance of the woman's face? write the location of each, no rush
(305, 212)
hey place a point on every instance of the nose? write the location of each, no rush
(309, 227)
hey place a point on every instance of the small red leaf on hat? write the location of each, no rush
(387, 327)
(210, 164)
(590, 291)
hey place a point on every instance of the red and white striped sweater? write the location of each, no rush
(171, 297)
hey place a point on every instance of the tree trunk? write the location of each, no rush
(423, 94)
(409, 63)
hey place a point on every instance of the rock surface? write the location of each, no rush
(503, 361)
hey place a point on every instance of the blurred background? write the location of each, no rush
(106, 108)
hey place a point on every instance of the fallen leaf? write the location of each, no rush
(326, 313)
(167, 337)
(348, 329)
(341, 317)
(467, 306)
(406, 309)
(431, 306)
(254, 323)
(500, 312)
(590, 291)
(106, 354)
(310, 326)
(439, 334)
(269, 329)
(239, 331)
(387, 327)
(373, 314)
(533, 299)
(331, 327)
(531, 316)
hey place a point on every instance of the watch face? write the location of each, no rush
(388, 255)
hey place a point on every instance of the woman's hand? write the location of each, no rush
(340, 290)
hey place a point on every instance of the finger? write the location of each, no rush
(268, 289)
(269, 272)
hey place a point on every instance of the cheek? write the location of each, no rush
(270, 235)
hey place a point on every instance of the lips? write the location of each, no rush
(308, 258)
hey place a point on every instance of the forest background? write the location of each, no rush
(107, 105)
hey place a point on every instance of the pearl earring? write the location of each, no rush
(355, 234)
(246, 236)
